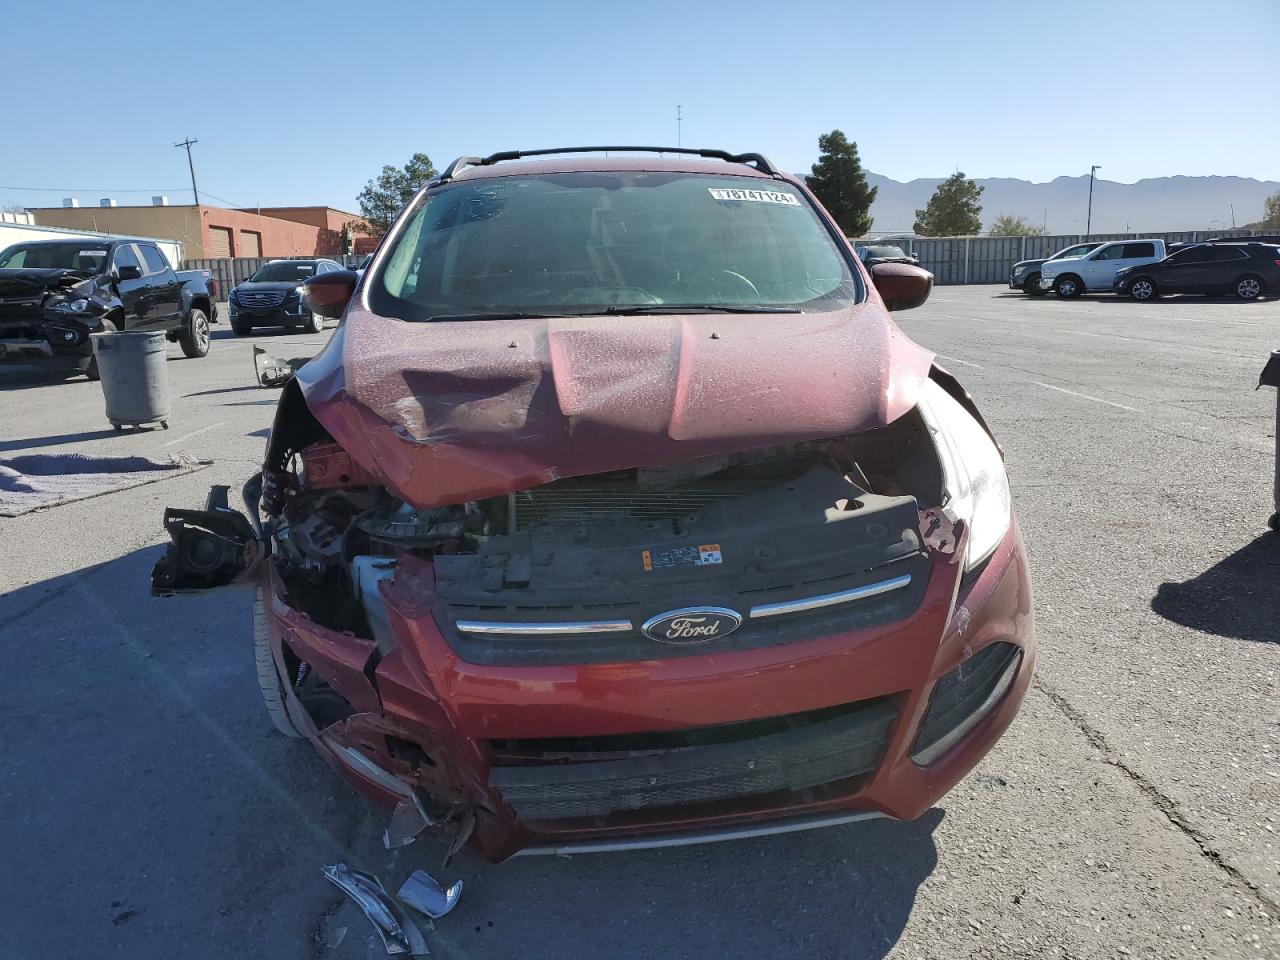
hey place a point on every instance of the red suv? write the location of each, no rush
(617, 512)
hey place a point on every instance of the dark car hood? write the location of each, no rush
(27, 282)
(448, 412)
(268, 286)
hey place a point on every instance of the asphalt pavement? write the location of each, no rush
(1133, 810)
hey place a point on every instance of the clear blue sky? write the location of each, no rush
(298, 103)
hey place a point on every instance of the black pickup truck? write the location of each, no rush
(55, 293)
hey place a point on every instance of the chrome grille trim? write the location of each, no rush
(543, 628)
(804, 604)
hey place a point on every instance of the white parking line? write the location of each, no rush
(1185, 346)
(1085, 396)
(963, 363)
(195, 433)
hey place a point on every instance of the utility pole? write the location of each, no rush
(1233, 215)
(1088, 224)
(191, 166)
(679, 127)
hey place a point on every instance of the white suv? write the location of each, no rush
(1072, 276)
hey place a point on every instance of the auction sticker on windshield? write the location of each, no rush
(755, 196)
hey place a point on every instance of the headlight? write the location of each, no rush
(71, 306)
(1019, 271)
(973, 472)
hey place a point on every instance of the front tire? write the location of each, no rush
(241, 329)
(1142, 289)
(273, 697)
(315, 324)
(1068, 287)
(1248, 288)
(194, 337)
(1031, 286)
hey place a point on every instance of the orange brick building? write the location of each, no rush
(206, 231)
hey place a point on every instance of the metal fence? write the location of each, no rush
(232, 270)
(950, 259)
(989, 259)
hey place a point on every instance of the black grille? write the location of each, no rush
(261, 301)
(959, 694)
(730, 760)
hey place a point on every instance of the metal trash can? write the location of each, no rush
(135, 378)
(1271, 378)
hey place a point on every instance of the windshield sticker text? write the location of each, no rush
(755, 196)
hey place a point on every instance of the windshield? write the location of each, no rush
(1079, 250)
(290, 271)
(87, 258)
(592, 242)
(885, 252)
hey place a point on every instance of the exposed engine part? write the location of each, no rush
(400, 935)
(422, 892)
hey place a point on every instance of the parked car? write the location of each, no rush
(882, 253)
(1025, 274)
(618, 512)
(272, 297)
(1097, 270)
(1244, 270)
(55, 293)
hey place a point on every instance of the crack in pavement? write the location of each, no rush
(1164, 804)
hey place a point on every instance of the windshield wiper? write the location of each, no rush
(458, 317)
(697, 308)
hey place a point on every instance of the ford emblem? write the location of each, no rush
(692, 625)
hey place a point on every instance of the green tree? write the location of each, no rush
(1007, 225)
(1271, 212)
(382, 198)
(840, 185)
(954, 209)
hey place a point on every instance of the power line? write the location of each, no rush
(90, 189)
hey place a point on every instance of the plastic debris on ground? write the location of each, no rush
(400, 935)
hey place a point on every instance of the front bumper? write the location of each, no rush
(424, 720)
(1046, 283)
(279, 316)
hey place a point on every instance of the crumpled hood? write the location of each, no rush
(28, 282)
(449, 412)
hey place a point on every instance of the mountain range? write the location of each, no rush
(1160, 204)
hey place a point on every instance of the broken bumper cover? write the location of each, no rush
(875, 722)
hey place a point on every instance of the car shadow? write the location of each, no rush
(1238, 596)
(843, 892)
(55, 441)
(18, 376)
(139, 745)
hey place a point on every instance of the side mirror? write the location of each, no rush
(128, 273)
(902, 286)
(329, 293)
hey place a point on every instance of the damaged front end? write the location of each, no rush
(49, 314)
(742, 641)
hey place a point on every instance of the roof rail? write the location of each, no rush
(757, 160)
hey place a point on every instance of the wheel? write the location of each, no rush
(195, 335)
(1144, 288)
(1248, 288)
(1068, 287)
(315, 324)
(241, 329)
(119, 427)
(268, 678)
(1274, 522)
(91, 371)
(1031, 286)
